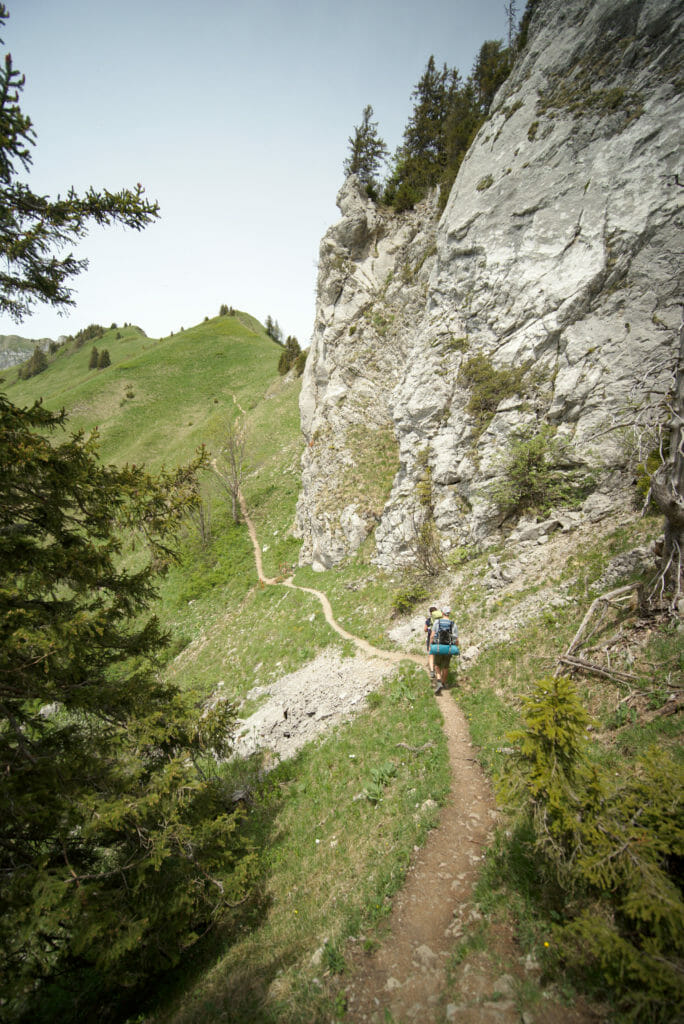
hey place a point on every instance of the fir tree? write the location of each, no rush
(289, 356)
(35, 365)
(103, 360)
(117, 843)
(94, 356)
(367, 153)
(111, 841)
(273, 330)
(420, 161)
(491, 69)
(446, 116)
(33, 227)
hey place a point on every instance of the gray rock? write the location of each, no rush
(532, 530)
(304, 703)
(558, 254)
(641, 559)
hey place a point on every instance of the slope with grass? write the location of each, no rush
(338, 825)
(155, 403)
(159, 400)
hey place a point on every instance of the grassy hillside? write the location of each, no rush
(330, 858)
(159, 399)
(156, 403)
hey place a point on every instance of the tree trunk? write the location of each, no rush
(667, 489)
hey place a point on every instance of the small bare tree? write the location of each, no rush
(424, 539)
(200, 514)
(654, 419)
(229, 465)
(511, 10)
(667, 487)
(425, 545)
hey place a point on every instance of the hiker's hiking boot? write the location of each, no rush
(438, 688)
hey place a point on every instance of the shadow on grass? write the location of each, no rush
(81, 994)
(514, 880)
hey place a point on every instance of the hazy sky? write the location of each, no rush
(235, 115)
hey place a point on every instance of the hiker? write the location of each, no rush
(443, 632)
(426, 628)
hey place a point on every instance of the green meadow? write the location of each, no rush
(335, 826)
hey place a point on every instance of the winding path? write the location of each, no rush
(406, 976)
(363, 645)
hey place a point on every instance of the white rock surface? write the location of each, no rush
(560, 247)
(300, 706)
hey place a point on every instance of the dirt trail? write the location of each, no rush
(406, 975)
(404, 981)
(363, 645)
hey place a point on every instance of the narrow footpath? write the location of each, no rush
(406, 976)
(404, 980)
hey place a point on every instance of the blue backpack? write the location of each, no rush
(444, 637)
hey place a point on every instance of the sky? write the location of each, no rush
(235, 115)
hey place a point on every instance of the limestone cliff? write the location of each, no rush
(553, 274)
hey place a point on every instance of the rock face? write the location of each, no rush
(372, 283)
(15, 350)
(547, 293)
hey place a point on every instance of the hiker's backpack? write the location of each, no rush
(444, 637)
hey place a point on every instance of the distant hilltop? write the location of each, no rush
(15, 350)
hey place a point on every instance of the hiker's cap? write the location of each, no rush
(446, 609)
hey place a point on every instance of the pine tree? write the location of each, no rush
(118, 846)
(367, 153)
(446, 116)
(114, 849)
(94, 356)
(420, 161)
(33, 227)
(103, 360)
(290, 355)
(35, 365)
(461, 127)
(491, 69)
(273, 330)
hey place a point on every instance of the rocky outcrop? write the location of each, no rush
(372, 281)
(551, 294)
(15, 350)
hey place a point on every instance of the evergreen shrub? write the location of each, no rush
(407, 597)
(488, 386)
(536, 474)
(33, 366)
(611, 846)
(300, 363)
